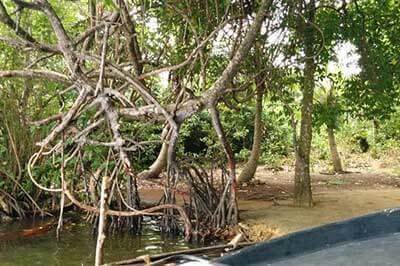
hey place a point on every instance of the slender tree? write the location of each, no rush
(306, 30)
(250, 167)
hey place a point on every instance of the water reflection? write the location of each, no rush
(77, 245)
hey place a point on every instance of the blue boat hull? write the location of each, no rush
(367, 240)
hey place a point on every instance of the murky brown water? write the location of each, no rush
(77, 245)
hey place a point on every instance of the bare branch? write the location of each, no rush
(29, 41)
(219, 87)
(130, 34)
(146, 212)
(191, 56)
(26, 44)
(47, 120)
(29, 5)
(36, 73)
(99, 86)
(67, 118)
(113, 17)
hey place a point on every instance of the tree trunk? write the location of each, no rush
(302, 186)
(250, 167)
(337, 163)
(159, 164)
(232, 213)
(375, 124)
(102, 220)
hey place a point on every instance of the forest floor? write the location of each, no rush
(266, 203)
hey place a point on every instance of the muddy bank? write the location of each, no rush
(266, 204)
(281, 217)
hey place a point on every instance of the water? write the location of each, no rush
(77, 245)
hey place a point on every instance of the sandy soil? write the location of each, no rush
(266, 203)
(330, 206)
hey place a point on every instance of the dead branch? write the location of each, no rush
(202, 250)
(105, 184)
(35, 74)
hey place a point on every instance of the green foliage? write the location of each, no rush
(328, 102)
(195, 137)
(167, 32)
(390, 129)
(146, 153)
(320, 148)
(278, 136)
(374, 93)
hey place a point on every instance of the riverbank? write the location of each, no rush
(266, 204)
(266, 208)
